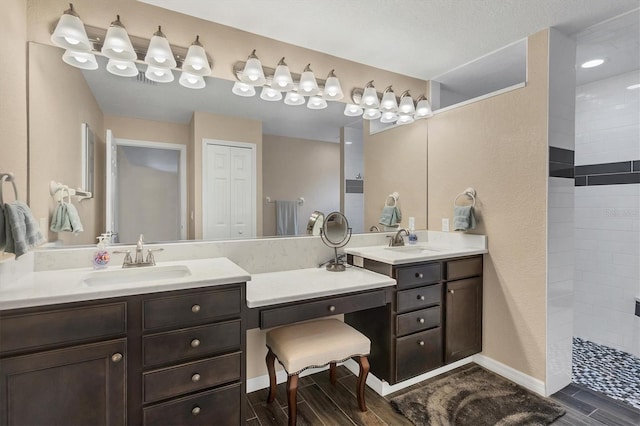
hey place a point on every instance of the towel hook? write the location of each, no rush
(7, 177)
(469, 192)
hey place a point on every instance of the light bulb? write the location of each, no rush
(71, 40)
(121, 67)
(81, 59)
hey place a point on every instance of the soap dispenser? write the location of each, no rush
(101, 256)
(413, 237)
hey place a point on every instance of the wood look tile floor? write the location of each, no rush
(320, 403)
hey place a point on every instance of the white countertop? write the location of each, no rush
(289, 286)
(69, 285)
(419, 252)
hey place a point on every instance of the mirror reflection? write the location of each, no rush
(177, 163)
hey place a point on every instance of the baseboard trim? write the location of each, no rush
(262, 382)
(383, 388)
(524, 380)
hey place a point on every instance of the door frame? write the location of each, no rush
(182, 172)
(251, 146)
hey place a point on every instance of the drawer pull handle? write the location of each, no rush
(195, 309)
(117, 357)
(421, 343)
(195, 411)
(421, 320)
(451, 291)
(195, 343)
(420, 297)
(332, 308)
(195, 378)
(419, 275)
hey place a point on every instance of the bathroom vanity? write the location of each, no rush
(171, 349)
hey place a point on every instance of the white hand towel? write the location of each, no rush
(286, 217)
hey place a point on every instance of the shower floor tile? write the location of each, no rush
(606, 370)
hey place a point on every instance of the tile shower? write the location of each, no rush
(607, 236)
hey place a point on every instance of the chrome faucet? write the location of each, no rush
(397, 240)
(374, 228)
(128, 262)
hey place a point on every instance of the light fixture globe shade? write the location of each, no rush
(282, 80)
(159, 75)
(423, 109)
(371, 114)
(191, 81)
(294, 98)
(196, 61)
(269, 94)
(389, 102)
(159, 53)
(406, 104)
(70, 33)
(332, 89)
(369, 98)
(117, 44)
(316, 102)
(82, 60)
(308, 86)
(388, 117)
(122, 68)
(242, 89)
(352, 110)
(404, 119)
(253, 73)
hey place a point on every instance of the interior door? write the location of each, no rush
(228, 191)
(111, 185)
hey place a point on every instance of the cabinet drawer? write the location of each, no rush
(62, 326)
(215, 407)
(193, 376)
(191, 308)
(416, 275)
(457, 269)
(192, 342)
(332, 306)
(417, 320)
(417, 298)
(418, 353)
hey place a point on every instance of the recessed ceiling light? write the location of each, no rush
(634, 86)
(592, 63)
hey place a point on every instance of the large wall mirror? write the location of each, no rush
(298, 150)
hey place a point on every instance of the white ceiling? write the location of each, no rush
(419, 38)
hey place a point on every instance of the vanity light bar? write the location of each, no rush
(269, 72)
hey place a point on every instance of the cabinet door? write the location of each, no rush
(463, 335)
(82, 385)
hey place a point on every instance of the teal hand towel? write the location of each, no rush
(390, 216)
(21, 229)
(74, 219)
(464, 218)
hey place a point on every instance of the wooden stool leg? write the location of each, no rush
(271, 359)
(332, 373)
(292, 392)
(362, 380)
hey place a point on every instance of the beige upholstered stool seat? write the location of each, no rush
(316, 344)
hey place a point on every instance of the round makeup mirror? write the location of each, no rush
(314, 226)
(335, 233)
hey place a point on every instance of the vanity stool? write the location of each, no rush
(315, 344)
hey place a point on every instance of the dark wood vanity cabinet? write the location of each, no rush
(157, 359)
(435, 317)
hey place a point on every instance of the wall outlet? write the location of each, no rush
(445, 224)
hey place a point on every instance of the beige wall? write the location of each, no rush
(499, 147)
(294, 168)
(59, 102)
(231, 129)
(396, 161)
(147, 130)
(13, 107)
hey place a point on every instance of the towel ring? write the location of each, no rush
(469, 192)
(8, 177)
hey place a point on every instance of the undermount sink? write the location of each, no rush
(412, 249)
(136, 275)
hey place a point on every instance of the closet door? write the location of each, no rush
(217, 180)
(241, 203)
